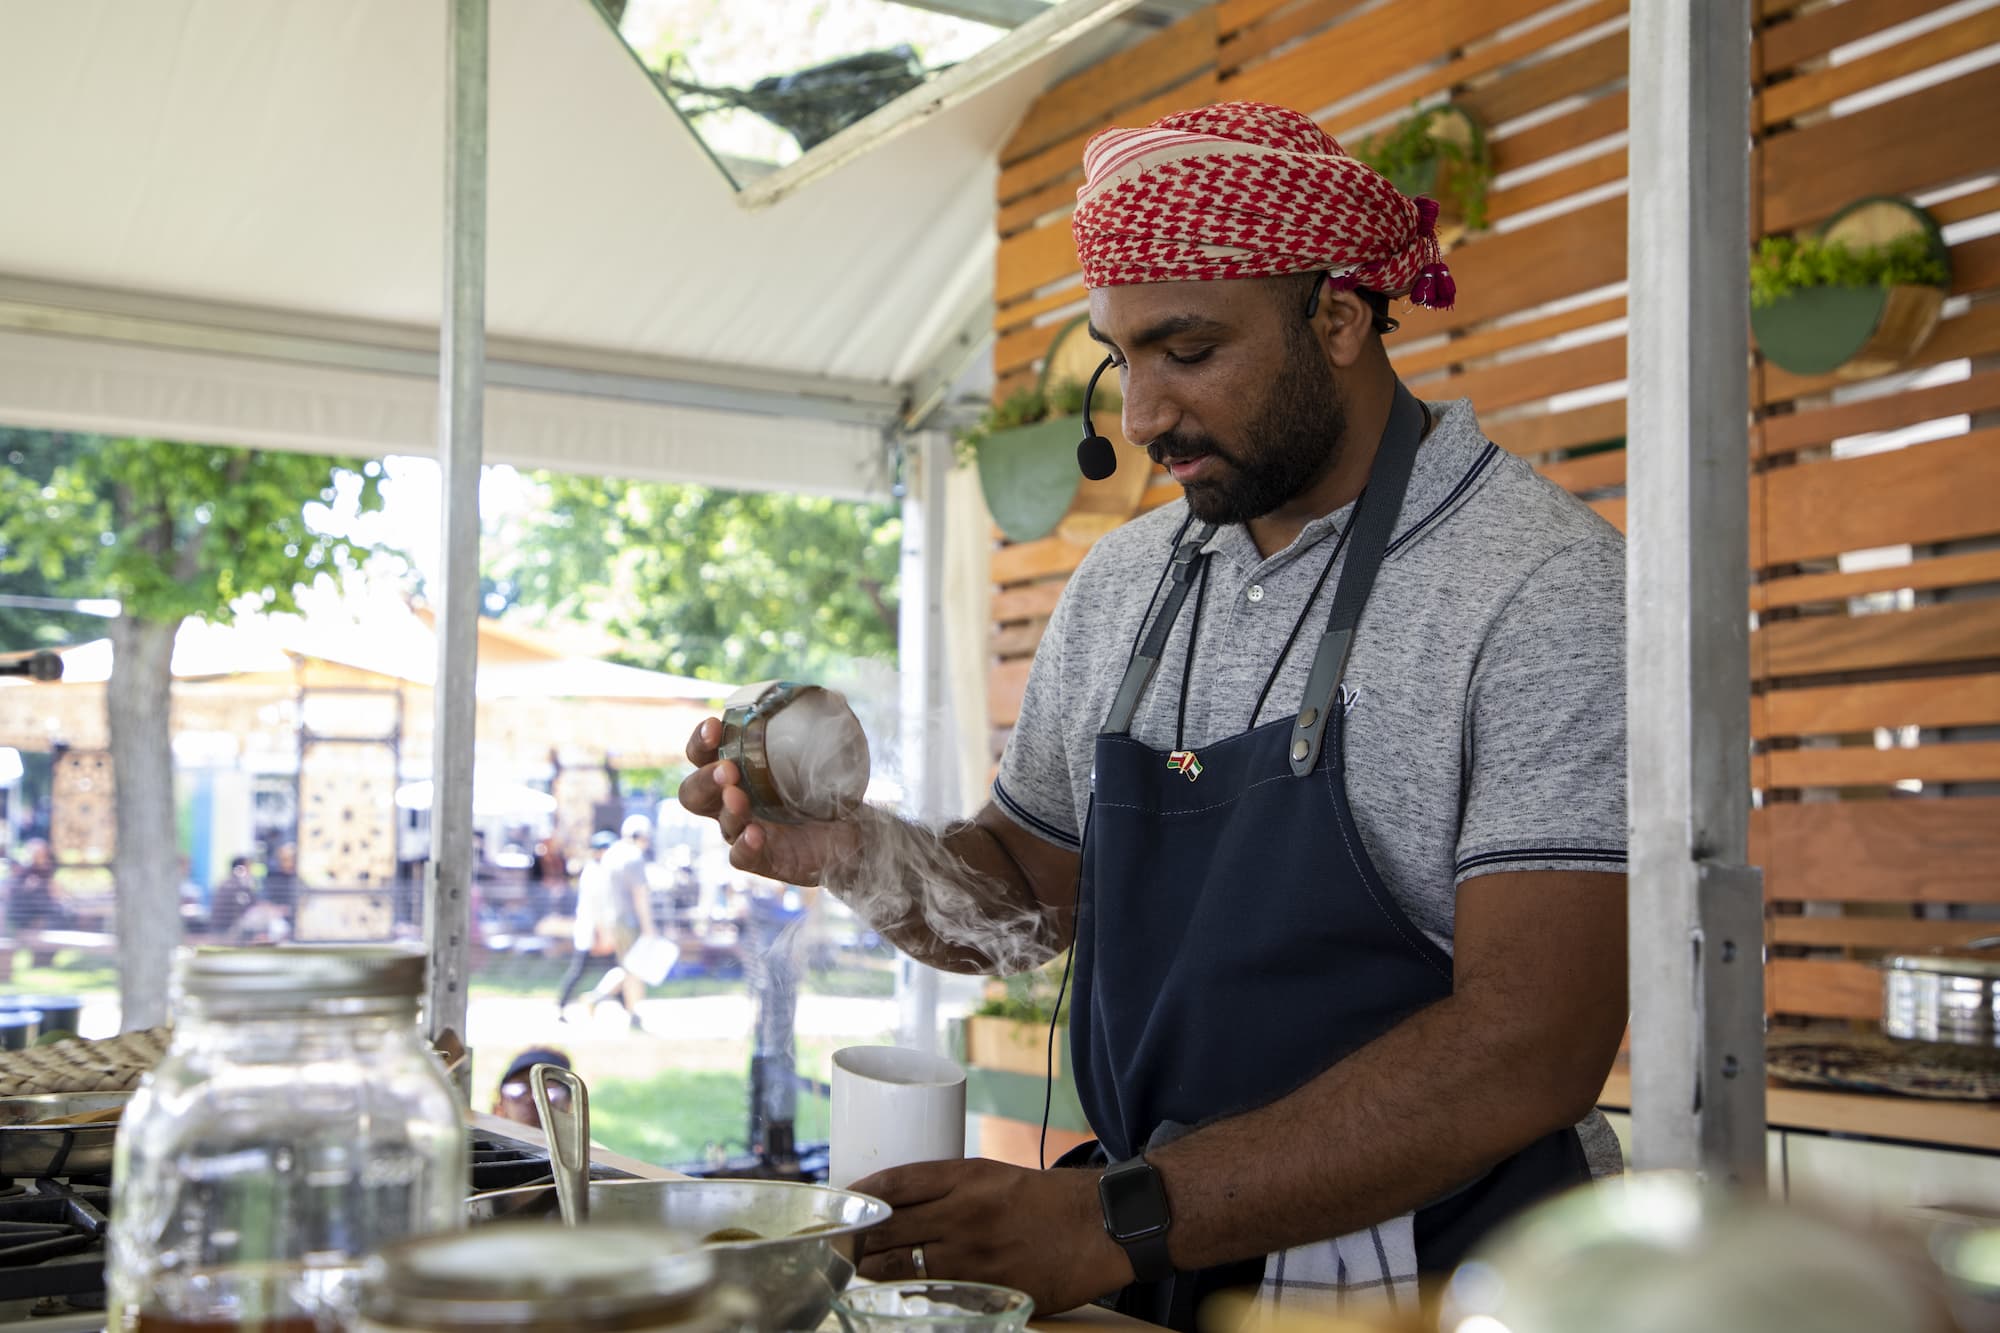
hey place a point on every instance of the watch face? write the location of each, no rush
(1135, 1203)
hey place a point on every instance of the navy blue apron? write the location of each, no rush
(1233, 939)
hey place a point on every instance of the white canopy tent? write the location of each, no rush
(225, 225)
(224, 221)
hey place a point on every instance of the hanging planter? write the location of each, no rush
(1861, 298)
(1439, 152)
(1025, 449)
(1027, 472)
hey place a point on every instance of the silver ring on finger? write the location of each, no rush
(917, 1261)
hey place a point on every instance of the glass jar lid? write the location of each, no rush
(530, 1274)
(302, 973)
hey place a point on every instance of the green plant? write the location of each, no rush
(1026, 407)
(1031, 996)
(1787, 264)
(1410, 152)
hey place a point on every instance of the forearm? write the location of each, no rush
(953, 899)
(1423, 1109)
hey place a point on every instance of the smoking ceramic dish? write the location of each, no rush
(800, 749)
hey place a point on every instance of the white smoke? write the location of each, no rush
(903, 878)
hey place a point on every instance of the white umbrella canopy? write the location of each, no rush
(490, 799)
(226, 226)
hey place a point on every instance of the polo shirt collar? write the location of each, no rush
(1448, 456)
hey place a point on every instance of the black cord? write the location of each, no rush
(1298, 624)
(1049, 1084)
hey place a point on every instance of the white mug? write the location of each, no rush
(893, 1106)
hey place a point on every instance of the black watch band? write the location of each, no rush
(1136, 1216)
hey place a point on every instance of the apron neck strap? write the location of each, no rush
(1139, 671)
(1374, 523)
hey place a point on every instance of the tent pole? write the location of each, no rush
(1696, 921)
(927, 766)
(461, 390)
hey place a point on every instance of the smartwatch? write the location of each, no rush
(1136, 1216)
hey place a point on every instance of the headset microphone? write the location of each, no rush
(1096, 458)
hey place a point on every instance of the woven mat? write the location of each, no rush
(1870, 1062)
(112, 1065)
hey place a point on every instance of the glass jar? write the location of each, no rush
(297, 1123)
(526, 1277)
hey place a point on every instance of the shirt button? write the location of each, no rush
(1256, 593)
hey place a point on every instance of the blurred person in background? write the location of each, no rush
(596, 934)
(515, 1098)
(31, 894)
(632, 900)
(281, 880)
(548, 877)
(233, 898)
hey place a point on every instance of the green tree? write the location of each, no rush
(35, 455)
(728, 586)
(171, 531)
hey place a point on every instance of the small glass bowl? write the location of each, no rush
(933, 1307)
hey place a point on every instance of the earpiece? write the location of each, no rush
(1096, 457)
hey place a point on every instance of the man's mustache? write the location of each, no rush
(1173, 448)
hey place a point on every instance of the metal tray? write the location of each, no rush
(27, 1149)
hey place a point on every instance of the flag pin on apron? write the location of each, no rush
(1184, 761)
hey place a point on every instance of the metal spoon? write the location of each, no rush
(568, 1131)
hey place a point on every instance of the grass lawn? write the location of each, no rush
(677, 1116)
(673, 1116)
(70, 973)
(74, 973)
(507, 975)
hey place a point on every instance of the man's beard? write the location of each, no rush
(1295, 438)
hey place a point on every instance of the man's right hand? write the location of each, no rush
(800, 854)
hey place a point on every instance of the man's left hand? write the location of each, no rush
(984, 1221)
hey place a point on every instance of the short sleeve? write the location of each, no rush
(1545, 726)
(1033, 786)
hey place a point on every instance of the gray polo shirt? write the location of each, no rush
(1485, 697)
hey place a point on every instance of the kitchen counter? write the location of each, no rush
(1973, 1125)
(1076, 1321)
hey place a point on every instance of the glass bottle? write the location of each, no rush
(298, 1122)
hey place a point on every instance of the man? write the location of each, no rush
(514, 1099)
(632, 899)
(1335, 819)
(594, 933)
(233, 898)
(281, 879)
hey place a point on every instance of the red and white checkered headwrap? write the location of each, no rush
(1248, 190)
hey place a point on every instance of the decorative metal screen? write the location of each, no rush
(347, 814)
(83, 824)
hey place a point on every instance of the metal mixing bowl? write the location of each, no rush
(794, 1278)
(29, 1147)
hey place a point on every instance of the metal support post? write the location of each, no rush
(927, 765)
(461, 394)
(1696, 922)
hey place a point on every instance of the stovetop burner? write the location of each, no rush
(52, 1234)
(505, 1164)
(51, 1239)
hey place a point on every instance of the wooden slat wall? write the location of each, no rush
(1876, 702)
(1877, 720)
